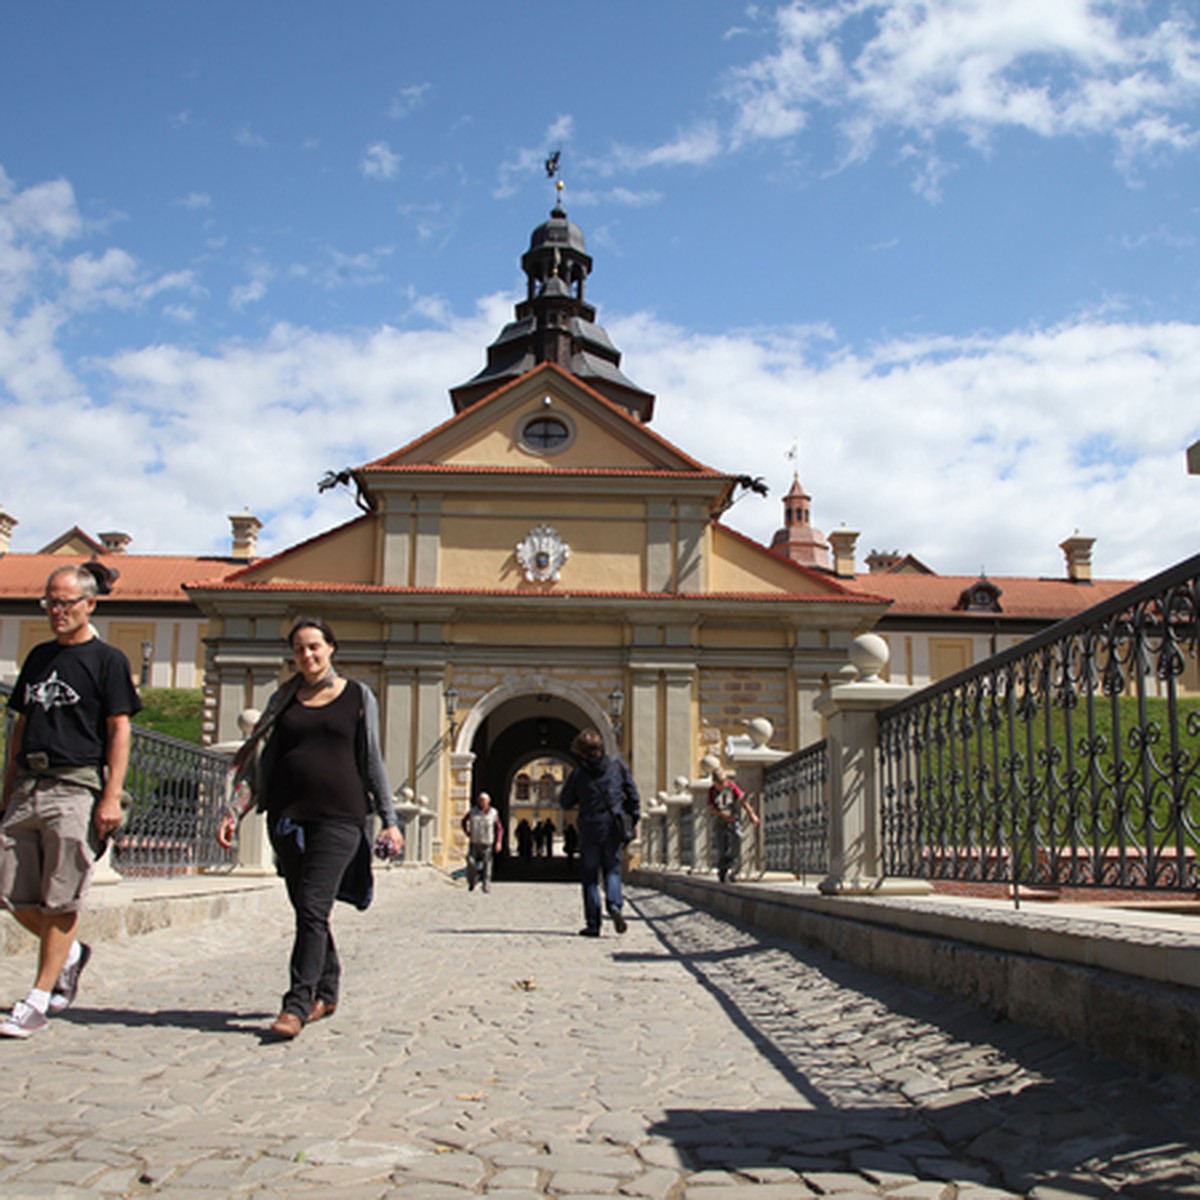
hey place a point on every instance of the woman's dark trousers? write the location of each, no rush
(312, 879)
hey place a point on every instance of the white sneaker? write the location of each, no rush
(67, 987)
(24, 1021)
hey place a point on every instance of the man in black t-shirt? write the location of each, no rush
(67, 759)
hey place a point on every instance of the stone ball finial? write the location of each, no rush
(681, 783)
(247, 719)
(707, 763)
(407, 794)
(869, 654)
(760, 731)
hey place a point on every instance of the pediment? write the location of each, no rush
(546, 420)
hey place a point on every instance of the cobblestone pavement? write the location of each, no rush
(481, 1047)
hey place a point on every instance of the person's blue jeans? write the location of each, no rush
(312, 877)
(596, 859)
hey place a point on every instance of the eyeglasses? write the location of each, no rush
(60, 605)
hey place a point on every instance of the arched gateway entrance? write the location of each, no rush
(518, 740)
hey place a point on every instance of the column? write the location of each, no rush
(850, 712)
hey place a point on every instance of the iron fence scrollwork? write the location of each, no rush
(1072, 759)
(796, 813)
(176, 795)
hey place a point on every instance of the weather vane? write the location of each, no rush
(553, 173)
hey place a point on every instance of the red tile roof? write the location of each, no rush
(1020, 596)
(143, 576)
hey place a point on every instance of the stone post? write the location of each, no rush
(701, 827)
(253, 846)
(408, 812)
(854, 796)
(429, 834)
(654, 821)
(675, 803)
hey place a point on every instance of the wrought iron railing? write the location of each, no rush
(177, 793)
(796, 813)
(1071, 759)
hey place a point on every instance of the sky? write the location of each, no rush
(939, 257)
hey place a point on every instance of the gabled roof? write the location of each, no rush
(447, 440)
(142, 576)
(74, 541)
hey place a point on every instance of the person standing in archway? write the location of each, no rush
(481, 824)
(603, 790)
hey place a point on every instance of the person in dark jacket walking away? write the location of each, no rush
(603, 790)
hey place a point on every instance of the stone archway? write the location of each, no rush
(526, 721)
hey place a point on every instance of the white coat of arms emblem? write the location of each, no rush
(542, 554)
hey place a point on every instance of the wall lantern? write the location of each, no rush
(450, 699)
(616, 707)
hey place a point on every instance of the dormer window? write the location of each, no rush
(982, 596)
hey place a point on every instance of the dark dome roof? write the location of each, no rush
(558, 231)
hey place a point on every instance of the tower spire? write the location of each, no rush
(555, 323)
(799, 540)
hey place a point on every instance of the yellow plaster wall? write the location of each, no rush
(538, 506)
(606, 555)
(347, 555)
(724, 637)
(739, 567)
(482, 633)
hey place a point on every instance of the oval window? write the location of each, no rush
(545, 434)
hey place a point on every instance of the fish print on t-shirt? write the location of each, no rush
(51, 693)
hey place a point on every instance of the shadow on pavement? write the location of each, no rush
(209, 1020)
(976, 1098)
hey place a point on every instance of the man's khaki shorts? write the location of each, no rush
(48, 845)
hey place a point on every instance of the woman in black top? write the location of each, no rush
(313, 763)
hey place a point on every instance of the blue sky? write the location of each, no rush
(947, 249)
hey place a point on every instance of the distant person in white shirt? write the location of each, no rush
(482, 826)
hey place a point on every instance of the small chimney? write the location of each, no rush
(115, 543)
(245, 535)
(879, 561)
(1079, 557)
(843, 541)
(7, 524)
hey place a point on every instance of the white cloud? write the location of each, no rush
(969, 451)
(985, 449)
(692, 147)
(925, 68)
(379, 162)
(408, 99)
(195, 201)
(254, 289)
(245, 136)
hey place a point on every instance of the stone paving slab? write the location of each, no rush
(482, 1048)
